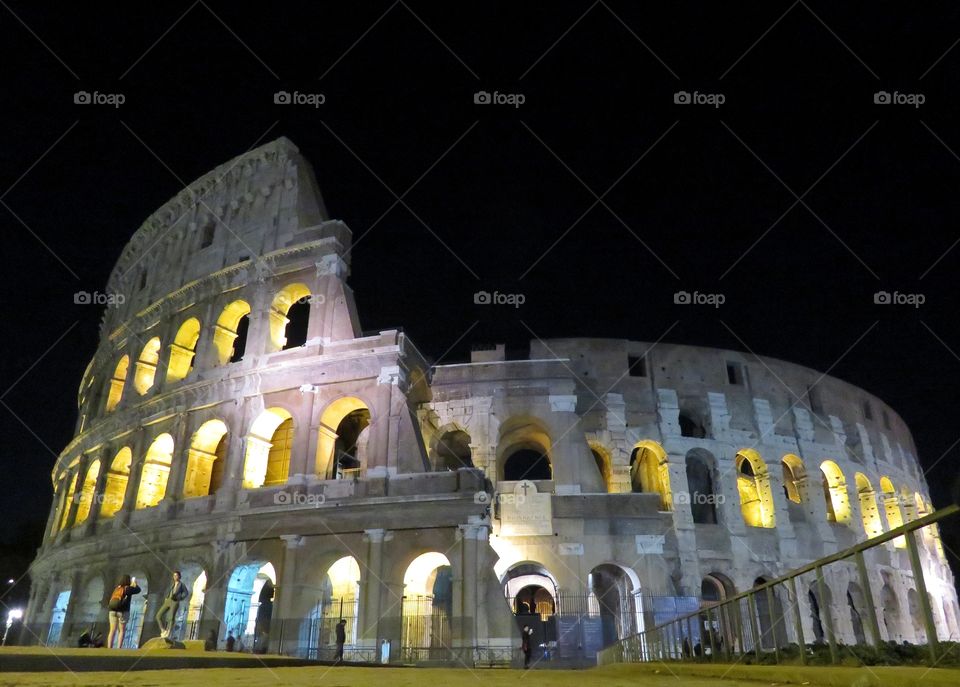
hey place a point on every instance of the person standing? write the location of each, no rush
(525, 647)
(341, 631)
(118, 610)
(170, 605)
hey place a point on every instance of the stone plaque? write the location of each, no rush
(525, 511)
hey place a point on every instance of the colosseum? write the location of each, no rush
(236, 424)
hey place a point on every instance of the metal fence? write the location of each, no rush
(758, 623)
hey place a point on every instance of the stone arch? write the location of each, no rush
(891, 507)
(524, 450)
(146, 368)
(835, 494)
(73, 480)
(269, 442)
(771, 618)
(856, 605)
(869, 513)
(338, 597)
(701, 486)
(450, 449)
(248, 607)
(183, 349)
(155, 472)
(230, 332)
(206, 459)
(427, 602)
(753, 484)
(916, 616)
(87, 492)
(614, 593)
(794, 478)
(90, 603)
(650, 472)
(115, 487)
(604, 462)
(342, 437)
(891, 611)
(714, 588)
(117, 382)
(289, 317)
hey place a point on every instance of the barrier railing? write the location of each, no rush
(755, 622)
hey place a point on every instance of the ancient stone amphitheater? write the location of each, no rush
(236, 424)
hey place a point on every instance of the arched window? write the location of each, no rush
(183, 349)
(691, 426)
(452, 451)
(891, 508)
(753, 483)
(700, 466)
(835, 493)
(427, 602)
(117, 382)
(869, 512)
(289, 317)
(68, 499)
(230, 334)
(527, 463)
(156, 472)
(601, 456)
(208, 445)
(794, 478)
(268, 445)
(342, 440)
(650, 473)
(524, 450)
(87, 492)
(116, 485)
(147, 366)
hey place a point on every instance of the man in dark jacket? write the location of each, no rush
(171, 603)
(341, 630)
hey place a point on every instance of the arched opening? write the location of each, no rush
(138, 611)
(869, 512)
(183, 349)
(916, 617)
(90, 609)
(452, 451)
(230, 334)
(196, 580)
(856, 604)
(891, 613)
(753, 483)
(248, 610)
(891, 508)
(268, 446)
(208, 447)
(339, 598)
(615, 596)
(835, 493)
(650, 472)
(526, 463)
(427, 607)
(715, 588)
(342, 438)
(794, 478)
(770, 617)
(156, 472)
(531, 590)
(87, 492)
(700, 467)
(289, 317)
(117, 382)
(73, 480)
(58, 615)
(817, 624)
(524, 450)
(604, 463)
(691, 425)
(115, 487)
(146, 370)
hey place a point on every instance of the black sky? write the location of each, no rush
(695, 213)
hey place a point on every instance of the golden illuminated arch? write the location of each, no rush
(86, 492)
(344, 577)
(604, 464)
(650, 472)
(183, 349)
(156, 472)
(869, 513)
(330, 421)
(794, 478)
(835, 493)
(68, 500)
(756, 496)
(116, 484)
(146, 369)
(282, 302)
(891, 508)
(206, 448)
(523, 449)
(268, 444)
(117, 382)
(225, 333)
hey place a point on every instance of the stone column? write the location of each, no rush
(285, 596)
(178, 466)
(379, 447)
(96, 498)
(133, 480)
(373, 590)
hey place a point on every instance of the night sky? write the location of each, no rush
(692, 197)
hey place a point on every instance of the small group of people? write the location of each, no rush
(118, 608)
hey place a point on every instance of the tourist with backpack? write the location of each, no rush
(118, 610)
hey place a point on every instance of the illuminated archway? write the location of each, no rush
(700, 466)
(205, 459)
(183, 349)
(115, 487)
(427, 602)
(650, 473)
(794, 478)
(339, 598)
(146, 369)
(156, 472)
(604, 462)
(194, 613)
(117, 382)
(756, 496)
(341, 440)
(268, 446)
(289, 314)
(451, 451)
(835, 494)
(523, 450)
(891, 507)
(73, 479)
(230, 334)
(249, 604)
(869, 513)
(87, 492)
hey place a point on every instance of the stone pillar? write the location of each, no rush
(378, 447)
(471, 535)
(285, 596)
(229, 491)
(178, 466)
(374, 592)
(96, 498)
(133, 481)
